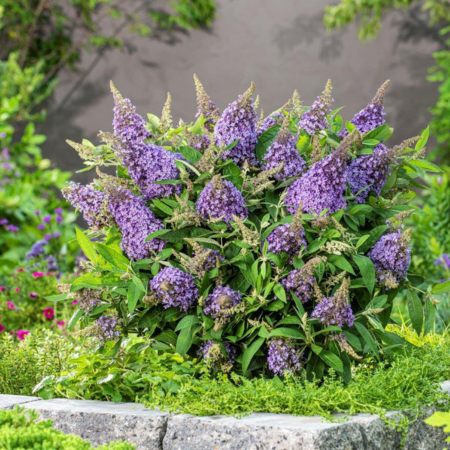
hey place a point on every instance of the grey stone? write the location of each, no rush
(103, 422)
(9, 401)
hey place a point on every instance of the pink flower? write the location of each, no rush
(38, 274)
(2, 288)
(21, 334)
(61, 324)
(75, 302)
(2, 328)
(49, 313)
(20, 269)
(33, 295)
(10, 305)
(17, 289)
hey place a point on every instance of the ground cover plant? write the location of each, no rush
(271, 245)
(20, 431)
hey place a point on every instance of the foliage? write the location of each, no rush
(370, 13)
(191, 252)
(20, 431)
(440, 419)
(51, 35)
(408, 383)
(24, 364)
(23, 306)
(138, 369)
(28, 182)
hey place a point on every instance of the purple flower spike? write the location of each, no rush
(220, 199)
(205, 106)
(288, 238)
(173, 287)
(136, 222)
(372, 116)
(106, 328)
(284, 151)
(128, 125)
(220, 302)
(369, 173)
(322, 187)
(238, 121)
(315, 119)
(89, 201)
(276, 118)
(391, 256)
(335, 310)
(283, 358)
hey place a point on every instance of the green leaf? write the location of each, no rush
(264, 142)
(430, 314)
(163, 207)
(341, 262)
(56, 298)
(415, 309)
(250, 352)
(156, 234)
(280, 292)
(367, 270)
(328, 358)
(74, 319)
(441, 288)
(439, 419)
(86, 246)
(370, 341)
(190, 154)
(187, 322)
(113, 257)
(185, 339)
(133, 296)
(291, 333)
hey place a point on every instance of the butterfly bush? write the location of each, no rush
(263, 246)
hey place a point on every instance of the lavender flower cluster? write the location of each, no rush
(238, 122)
(136, 222)
(283, 358)
(219, 303)
(221, 200)
(391, 256)
(106, 328)
(173, 287)
(286, 238)
(212, 354)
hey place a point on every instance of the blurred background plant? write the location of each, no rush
(369, 14)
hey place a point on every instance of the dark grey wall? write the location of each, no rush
(281, 45)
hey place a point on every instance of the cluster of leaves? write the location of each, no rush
(268, 311)
(141, 368)
(24, 364)
(47, 33)
(19, 430)
(369, 14)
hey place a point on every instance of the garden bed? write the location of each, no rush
(102, 422)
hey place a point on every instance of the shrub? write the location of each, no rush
(19, 431)
(24, 364)
(271, 246)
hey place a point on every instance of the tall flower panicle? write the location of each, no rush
(88, 299)
(372, 116)
(335, 310)
(128, 125)
(202, 260)
(214, 357)
(302, 281)
(90, 201)
(220, 200)
(284, 151)
(283, 359)
(206, 106)
(288, 238)
(136, 222)
(275, 118)
(106, 328)
(322, 186)
(238, 122)
(221, 301)
(391, 256)
(315, 119)
(173, 287)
